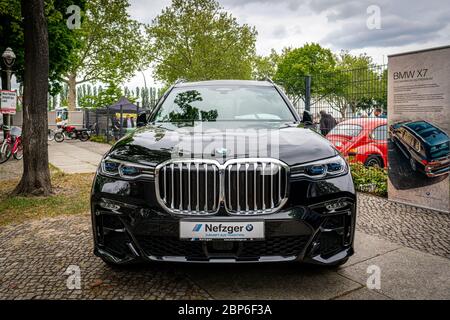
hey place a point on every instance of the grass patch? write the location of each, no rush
(71, 196)
(101, 139)
(369, 179)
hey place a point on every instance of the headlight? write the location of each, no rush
(126, 170)
(326, 168)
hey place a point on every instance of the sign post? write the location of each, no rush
(8, 102)
(8, 58)
(419, 117)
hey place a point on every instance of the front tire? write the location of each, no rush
(413, 164)
(59, 137)
(5, 152)
(84, 136)
(18, 155)
(374, 161)
(51, 135)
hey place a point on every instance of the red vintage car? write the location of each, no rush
(362, 140)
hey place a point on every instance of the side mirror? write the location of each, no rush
(141, 120)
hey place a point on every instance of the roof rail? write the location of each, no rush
(269, 80)
(179, 80)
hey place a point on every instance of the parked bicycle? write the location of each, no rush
(12, 144)
(51, 134)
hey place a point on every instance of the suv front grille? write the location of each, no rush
(173, 246)
(189, 187)
(255, 187)
(243, 186)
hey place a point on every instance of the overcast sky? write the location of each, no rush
(403, 25)
(337, 24)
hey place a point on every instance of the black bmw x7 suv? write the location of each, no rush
(222, 171)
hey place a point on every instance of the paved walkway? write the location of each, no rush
(35, 255)
(413, 227)
(416, 228)
(70, 156)
(76, 156)
(410, 245)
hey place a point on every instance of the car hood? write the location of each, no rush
(342, 142)
(223, 140)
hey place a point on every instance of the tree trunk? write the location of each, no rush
(72, 94)
(36, 174)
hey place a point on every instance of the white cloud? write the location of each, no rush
(406, 25)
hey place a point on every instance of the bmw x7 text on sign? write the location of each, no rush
(222, 171)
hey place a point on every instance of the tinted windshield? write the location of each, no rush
(439, 151)
(351, 130)
(218, 103)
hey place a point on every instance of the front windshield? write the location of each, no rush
(224, 103)
(351, 130)
(439, 151)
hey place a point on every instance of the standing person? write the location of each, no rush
(327, 122)
(116, 127)
(128, 122)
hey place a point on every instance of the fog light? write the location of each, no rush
(336, 205)
(109, 206)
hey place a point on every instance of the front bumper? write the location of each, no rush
(127, 231)
(437, 170)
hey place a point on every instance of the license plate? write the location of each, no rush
(201, 230)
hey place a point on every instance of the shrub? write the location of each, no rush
(100, 139)
(369, 179)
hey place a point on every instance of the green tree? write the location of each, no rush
(112, 46)
(198, 40)
(62, 41)
(36, 175)
(357, 85)
(104, 97)
(309, 60)
(265, 66)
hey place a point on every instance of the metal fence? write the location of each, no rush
(344, 94)
(113, 124)
(349, 108)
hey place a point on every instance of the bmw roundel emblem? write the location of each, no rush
(222, 151)
(249, 227)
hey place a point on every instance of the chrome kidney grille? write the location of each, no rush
(240, 186)
(256, 187)
(188, 187)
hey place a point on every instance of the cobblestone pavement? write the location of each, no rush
(416, 228)
(34, 257)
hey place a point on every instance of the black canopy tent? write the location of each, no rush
(122, 106)
(100, 120)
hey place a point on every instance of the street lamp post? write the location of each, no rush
(8, 58)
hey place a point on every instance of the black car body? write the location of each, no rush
(150, 189)
(425, 146)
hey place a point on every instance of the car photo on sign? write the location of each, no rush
(418, 154)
